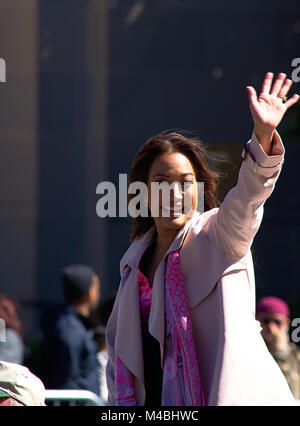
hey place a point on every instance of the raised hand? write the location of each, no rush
(268, 109)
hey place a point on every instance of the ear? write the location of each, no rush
(89, 293)
(94, 290)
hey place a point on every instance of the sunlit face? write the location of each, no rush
(171, 168)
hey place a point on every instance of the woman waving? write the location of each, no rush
(183, 328)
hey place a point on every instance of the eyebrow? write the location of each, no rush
(184, 174)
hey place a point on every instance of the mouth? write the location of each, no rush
(172, 211)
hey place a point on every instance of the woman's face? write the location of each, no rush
(177, 173)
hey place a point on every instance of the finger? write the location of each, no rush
(278, 84)
(252, 95)
(285, 88)
(292, 101)
(266, 86)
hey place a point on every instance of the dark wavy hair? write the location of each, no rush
(190, 147)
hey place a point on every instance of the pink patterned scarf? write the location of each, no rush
(181, 378)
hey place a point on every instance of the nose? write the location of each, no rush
(176, 193)
(270, 328)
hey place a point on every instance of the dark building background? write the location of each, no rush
(88, 82)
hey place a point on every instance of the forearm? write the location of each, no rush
(275, 154)
(268, 140)
(265, 137)
(239, 216)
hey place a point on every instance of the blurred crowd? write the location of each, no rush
(72, 351)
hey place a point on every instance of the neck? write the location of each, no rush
(164, 239)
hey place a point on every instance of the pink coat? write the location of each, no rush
(235, 365)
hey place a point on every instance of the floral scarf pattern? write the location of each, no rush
(181, 378)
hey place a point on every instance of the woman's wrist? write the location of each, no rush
(265, 138)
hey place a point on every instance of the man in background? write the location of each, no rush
(69, 351)
(274, 316)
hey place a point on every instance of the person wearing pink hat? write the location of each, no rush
(273, 314)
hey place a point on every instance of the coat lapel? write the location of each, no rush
(128, 343)
(199, 252)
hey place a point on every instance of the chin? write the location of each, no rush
(174, 222)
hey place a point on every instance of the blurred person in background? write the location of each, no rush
(12, 349)
(106, 307)
(69, 352)
(99, 336)
(103, 314)
(273, 314)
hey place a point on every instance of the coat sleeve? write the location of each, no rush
(239, 216)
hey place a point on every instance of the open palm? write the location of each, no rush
(268, 109)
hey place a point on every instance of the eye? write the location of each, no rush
(187, 183)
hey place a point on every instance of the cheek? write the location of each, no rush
(154, 201)
(190, 198)
(195, 199)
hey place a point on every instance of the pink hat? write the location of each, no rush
(273, 305)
